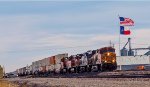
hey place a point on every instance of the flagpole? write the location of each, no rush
(119, 45)
(119, 41)
(119, 37)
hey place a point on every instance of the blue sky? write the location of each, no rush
(31, 31)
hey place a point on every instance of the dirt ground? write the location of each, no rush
(82, 82)
(94, 79)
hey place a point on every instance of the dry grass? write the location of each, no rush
(4, 83)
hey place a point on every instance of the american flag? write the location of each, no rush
(126, 21)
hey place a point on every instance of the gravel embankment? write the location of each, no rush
(88, 80)
(82, 82)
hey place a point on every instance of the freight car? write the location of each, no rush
(93, 60)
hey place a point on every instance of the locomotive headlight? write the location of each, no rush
(108, 54)
(113, 61)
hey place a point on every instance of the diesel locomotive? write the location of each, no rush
(103, 59)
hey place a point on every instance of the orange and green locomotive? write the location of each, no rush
(108, 58)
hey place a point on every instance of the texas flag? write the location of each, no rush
(124, 30)
(126, 21)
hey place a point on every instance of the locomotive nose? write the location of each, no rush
(109, 57)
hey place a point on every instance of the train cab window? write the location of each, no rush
(104, 50)
(111, 50)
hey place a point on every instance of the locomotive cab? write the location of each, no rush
(108, 57)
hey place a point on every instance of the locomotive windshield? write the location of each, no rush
(107, 49)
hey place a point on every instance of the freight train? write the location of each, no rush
(103, 59)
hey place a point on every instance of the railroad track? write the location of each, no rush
(114, 74)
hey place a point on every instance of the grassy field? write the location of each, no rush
(4, 83)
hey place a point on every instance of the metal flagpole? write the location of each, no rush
(119, 46)
(119, 37)
(119, 42)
